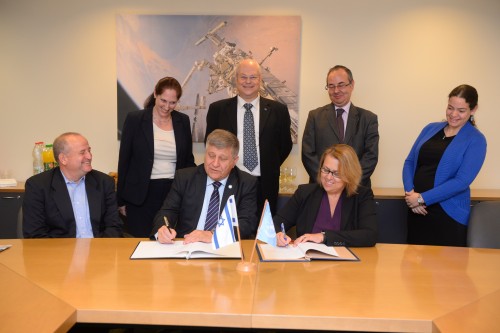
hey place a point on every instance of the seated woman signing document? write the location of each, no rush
(336, 210)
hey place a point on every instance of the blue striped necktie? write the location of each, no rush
(213, 208)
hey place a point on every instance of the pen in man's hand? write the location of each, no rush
(167, 224)
(283, 232)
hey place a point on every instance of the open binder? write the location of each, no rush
(305, 252)
(197, 250)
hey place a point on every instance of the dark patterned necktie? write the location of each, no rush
(213, 208)
(250, 159)
(340, 125)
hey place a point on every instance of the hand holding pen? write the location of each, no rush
(166, 235)
(286, 240)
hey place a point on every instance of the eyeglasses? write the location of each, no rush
(327, 171)
(245, 78)
(340, 86)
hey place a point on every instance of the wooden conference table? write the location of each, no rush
(47, 285)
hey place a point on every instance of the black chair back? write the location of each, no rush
(484, 225)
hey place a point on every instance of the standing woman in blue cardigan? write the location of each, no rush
(443, 162)
(155, 142)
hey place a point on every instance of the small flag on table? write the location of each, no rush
(224, 232)
(266, 232)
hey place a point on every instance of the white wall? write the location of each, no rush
(58, 69)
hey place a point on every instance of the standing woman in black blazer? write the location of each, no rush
(155, 142)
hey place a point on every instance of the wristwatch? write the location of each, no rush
(324, 237)
(420, 200)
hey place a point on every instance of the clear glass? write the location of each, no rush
(287, 179)
(292, 175)
(282, 179)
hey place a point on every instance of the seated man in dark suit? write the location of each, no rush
(192, 206)
(71, 200)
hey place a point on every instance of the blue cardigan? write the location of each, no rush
(458, 167)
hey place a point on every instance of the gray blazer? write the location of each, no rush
(321, 132)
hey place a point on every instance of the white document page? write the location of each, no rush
(154, 249)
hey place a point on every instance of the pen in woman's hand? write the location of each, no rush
(284, 233)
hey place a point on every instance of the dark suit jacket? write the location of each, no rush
(358, 226)
(274, 137)
(321, 132)
(47, 209)
(184, 202)
(137, 153)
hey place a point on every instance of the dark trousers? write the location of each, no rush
(139, 222)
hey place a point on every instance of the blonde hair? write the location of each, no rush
(349, 167)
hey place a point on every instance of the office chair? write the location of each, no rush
(484, 225)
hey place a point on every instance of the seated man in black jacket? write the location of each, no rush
(188, 205)
(71, 200)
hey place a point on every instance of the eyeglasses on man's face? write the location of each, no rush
(340, 86)
(326, 171)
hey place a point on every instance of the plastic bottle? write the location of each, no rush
(48, 158)
(37, 158)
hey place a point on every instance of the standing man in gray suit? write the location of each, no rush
(340, 122)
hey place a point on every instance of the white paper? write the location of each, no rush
(295, 252)
(318, 247)
(4, 247)
(154, 249)
(5, 182)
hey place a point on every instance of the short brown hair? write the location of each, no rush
(338, 67)
(349, 166)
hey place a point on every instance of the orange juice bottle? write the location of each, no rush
(48, 158)
(52, 156)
